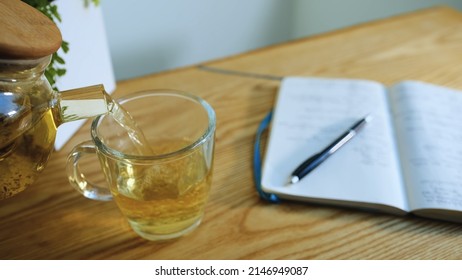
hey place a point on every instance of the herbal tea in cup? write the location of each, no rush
(160, 179)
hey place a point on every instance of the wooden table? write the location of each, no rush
(52, 221)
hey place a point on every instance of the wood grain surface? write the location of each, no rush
(52, 221)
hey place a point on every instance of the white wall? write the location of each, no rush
(147, 36)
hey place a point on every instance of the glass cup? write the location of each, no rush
(162, 191)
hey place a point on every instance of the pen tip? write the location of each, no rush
(294, 180)
(368, 118)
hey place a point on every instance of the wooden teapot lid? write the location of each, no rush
(26, 33)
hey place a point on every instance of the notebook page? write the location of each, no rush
(429, 119)
(309, 114)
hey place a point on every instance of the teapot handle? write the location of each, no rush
(77, 178)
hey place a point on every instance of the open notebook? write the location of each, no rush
(407, 159)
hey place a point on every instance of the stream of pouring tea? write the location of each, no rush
(126, 121)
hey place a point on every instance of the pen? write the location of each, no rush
(315, 160)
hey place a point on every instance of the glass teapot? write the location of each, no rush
(30, 111)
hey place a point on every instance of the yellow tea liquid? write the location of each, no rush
(22, 161)
(165, 198)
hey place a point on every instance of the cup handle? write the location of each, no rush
(77, 178)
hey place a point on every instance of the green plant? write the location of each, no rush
(56, 68)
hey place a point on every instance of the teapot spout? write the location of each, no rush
(82, 103)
